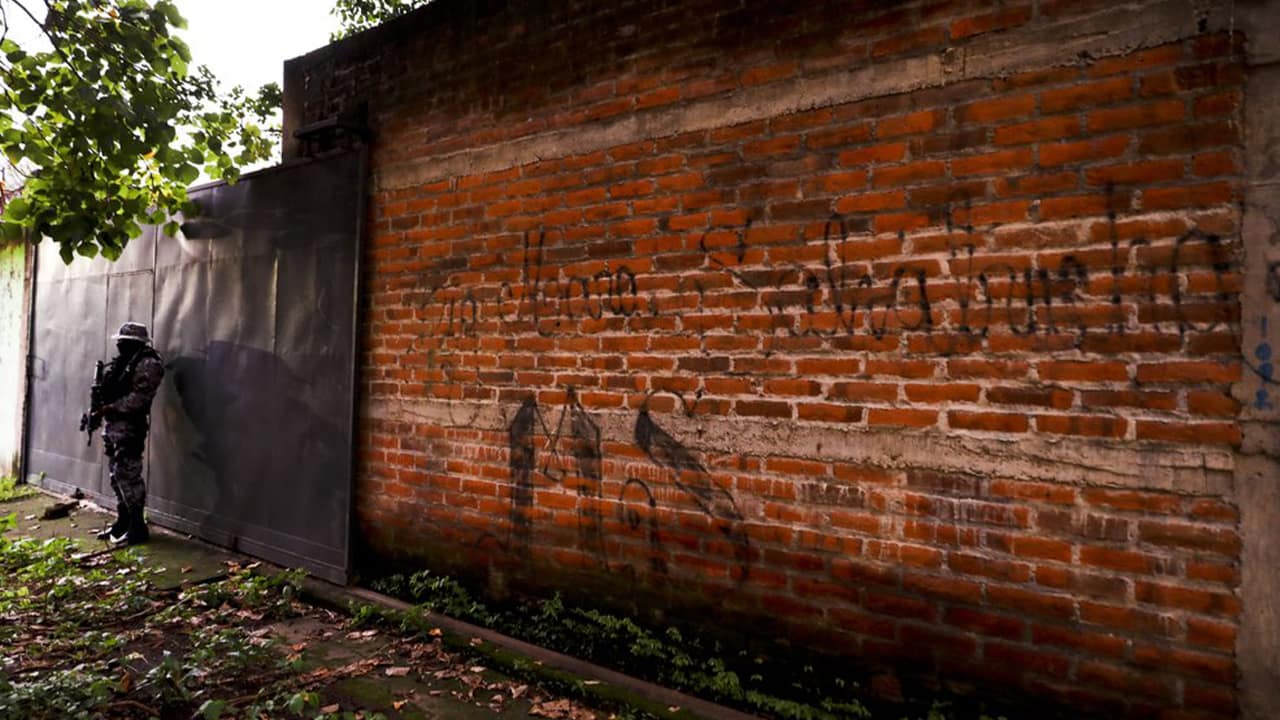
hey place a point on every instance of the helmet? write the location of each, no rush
(133, 331)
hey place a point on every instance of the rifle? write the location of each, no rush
(90, 421)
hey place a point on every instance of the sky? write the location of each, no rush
(245, 42)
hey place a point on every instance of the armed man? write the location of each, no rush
(123, 404)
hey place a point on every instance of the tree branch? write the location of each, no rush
(52, 40)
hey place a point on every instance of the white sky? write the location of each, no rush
(245, 42)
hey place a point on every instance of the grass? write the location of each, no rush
(11, 490)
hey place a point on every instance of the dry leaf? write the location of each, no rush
(330, 709)
(298, 647)
(477, 668)
(185, 569)
(516, 692)
(397, 671)
(436, 632)
(399, 704)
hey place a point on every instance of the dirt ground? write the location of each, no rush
(192, 600)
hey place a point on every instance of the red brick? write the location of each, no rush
(1051, 128)
(1133, 500)
(950, 392)
(902, 417)
(1092, 371)
(991, 163)
(1133, 116)
(1139, 60)
(1042, 548)
(762, 408)
(1149, 172)
(1079, 639)
(1211, 668)
(1114, 146)
(985, 623)
(1004, 108)
(968, 368)
(1189, 432)
(1116, 559)
(1030, 602)
(829, 412)
(1023, 395)
(1087, 425)
(1174, 198)
(908, 174)
(913, 124)
(1187, 599)
(1219, 540)
(1075, 97)
(987, 421)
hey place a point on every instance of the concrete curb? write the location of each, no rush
(509, 654)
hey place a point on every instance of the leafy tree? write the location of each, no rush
(108, 123)
(358, 15)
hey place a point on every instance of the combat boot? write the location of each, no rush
(119, 526)
(135, 533)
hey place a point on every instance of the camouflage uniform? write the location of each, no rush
(130, 383)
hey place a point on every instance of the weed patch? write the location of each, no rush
(11, 490)
(669, 656)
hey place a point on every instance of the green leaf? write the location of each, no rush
(11, 231)
(188, 174)
(212, 709)
(17, 209)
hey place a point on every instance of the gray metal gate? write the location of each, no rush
(253, 309)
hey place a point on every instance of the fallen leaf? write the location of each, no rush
(674, 709)
(477, 668)
(590, 682)
(399, 704)
(298, 647)
(436, 632)
(397, 671)
(516, 692)
(185, 569)
(330, 709)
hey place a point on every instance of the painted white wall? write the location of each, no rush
(12, 331)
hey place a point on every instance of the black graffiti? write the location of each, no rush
(579, 431)
(522, 462)
(850, 293)
(690, 476)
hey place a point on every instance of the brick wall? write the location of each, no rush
(829, 316)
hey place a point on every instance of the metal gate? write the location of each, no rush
(253, 309)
